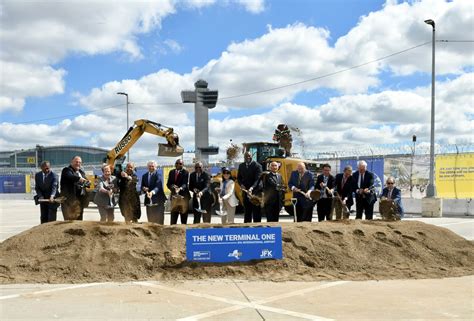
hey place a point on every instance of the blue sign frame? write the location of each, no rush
(233, 244)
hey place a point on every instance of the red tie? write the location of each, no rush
(176, 176)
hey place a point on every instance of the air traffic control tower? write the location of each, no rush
(203, 99)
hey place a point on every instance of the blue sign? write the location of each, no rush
(233, 244)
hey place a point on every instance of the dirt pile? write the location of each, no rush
(76, 252)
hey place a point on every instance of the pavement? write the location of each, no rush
(227, 299)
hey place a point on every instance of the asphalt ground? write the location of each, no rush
(219, 299)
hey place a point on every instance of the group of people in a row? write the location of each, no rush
(261, 191)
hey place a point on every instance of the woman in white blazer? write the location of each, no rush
(227, 195)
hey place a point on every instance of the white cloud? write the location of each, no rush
(173, 45)
(281, 56)
(344, 123)
(400, 26)
(253, 6)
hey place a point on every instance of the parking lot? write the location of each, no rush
(229, 299)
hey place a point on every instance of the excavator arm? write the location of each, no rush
(171, 148)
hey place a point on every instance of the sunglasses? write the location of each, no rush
(389, 183)
(198, 167)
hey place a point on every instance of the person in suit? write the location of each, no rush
(199, 183)
(129, 198)
(393, 193)
(325, 183)
(302, 183)
(363, 185)
(248, 176)
(227, 197)
(152, 186)
(178, 185)
(107, 186)
(343, 186)
(273, 193)
(46, 187)
(73, 185)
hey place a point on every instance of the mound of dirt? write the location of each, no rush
(76, 252)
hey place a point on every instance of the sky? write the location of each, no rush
(350, 75)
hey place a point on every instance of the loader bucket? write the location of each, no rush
(170, 151)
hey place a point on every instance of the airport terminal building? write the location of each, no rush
(58, 156)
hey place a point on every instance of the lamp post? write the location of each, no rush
(411, 167)
(431, 189)
(126, 96)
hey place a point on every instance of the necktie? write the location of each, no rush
(149, 179)
(389, 193)
(44, 177)
(343, 182)
(176, 176)
(197, 177)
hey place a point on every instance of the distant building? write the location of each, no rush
(58, 156)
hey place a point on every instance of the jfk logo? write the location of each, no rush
(266, 254)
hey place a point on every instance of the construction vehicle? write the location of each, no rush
(170, 149)
(265, 153)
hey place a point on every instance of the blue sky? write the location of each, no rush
(77, 58)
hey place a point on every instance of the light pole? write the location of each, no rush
(126, 96)
(431, 189)
(411, 167)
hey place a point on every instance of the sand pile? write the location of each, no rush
(75, 252)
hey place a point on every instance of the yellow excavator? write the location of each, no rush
(170, 149)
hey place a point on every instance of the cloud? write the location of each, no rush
(253, 6)
(345, 123)
(401, 25)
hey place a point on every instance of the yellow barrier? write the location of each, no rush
(455, 175)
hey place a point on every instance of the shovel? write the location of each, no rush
(294, 200)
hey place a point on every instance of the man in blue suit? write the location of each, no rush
(152, 186)
(393, 193)
(302, 183)
(46, 187)
(364, 188)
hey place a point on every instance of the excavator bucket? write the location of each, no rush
(169, 150)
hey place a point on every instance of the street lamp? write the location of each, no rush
(126, 96)
(431, 189)
(411, 167)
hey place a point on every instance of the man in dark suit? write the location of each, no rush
(344, 188)
(248, 176)
(199, 183)
(178, 185)
(273, 193)
(325, 183)
(46, 187)
(363, 185)
(152, 186)
(391, 192)
(302, 183)
(129, 198)
(73, 187)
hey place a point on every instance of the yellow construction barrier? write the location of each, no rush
(455, 175)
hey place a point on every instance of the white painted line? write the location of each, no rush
(77, 286)
(240, 304)
(455, 223)
(16, 226)
(268, 300)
